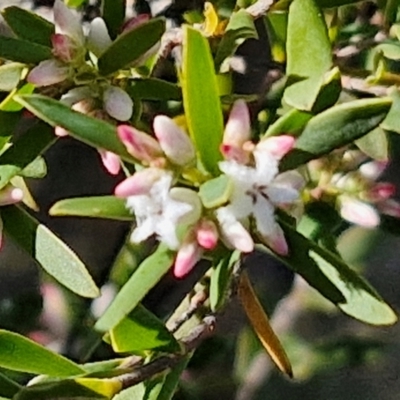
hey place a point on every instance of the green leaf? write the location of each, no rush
(308, 59)
(154, 89)
(135, 392)
(336, 127)
(23, 51)
(335, 3)
(21, 354)
(24, 151)
(289, 123)
(170, 382)
(149, 272)
(216, 192)
(91, 131)
(109, 207)
(36, 169)
(389, 50)
(220, 279)
(240, 27)
(331, 276)
(10, 75)
(375, 144)
(141, 331)
(82, 389)
(9, 104)
(28, 25)
(56, 258)
(201, 101)
(8, 387)
(130, 46)
(113, 13)
(392, 120)
(8, 122)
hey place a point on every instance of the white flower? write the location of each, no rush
(256, 191)
(158, 212)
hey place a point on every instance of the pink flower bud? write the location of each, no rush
(67, 22)
(389, 207)
(187, 257)
(207, 234)
(358, 212)
(380, 191)
(140, 183)
(64, 47)
(237, 132)
(48, 72)
(277, 241)
(111, 161)
(277, 146)
(10, 195)
(117, 103)
(139, 144)
(175, 143)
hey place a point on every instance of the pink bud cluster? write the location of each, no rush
(350, 180)
(160, 205)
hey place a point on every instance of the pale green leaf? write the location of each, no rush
(109, 207)
(201, 100)
(55, 257)
(149, 272)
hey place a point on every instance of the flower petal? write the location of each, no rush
(138, 184)
(277, 241)
(207, 234)
(358, 212)
(10, 195)
(98, 39)
(117, 103)
(233, 231)
(48, 72)
(187, 257)
(111, 161)
(277, 146)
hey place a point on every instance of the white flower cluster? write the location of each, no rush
(256, 189)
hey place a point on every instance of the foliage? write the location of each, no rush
(292, 166)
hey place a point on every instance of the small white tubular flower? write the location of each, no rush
(175, 143)
(98, 39)
(256, 191)
(48, 72)
(117, 103)
(67, 22)
(158, 213)
(10, 195)
(358, 212)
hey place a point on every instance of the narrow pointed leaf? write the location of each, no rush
(142, 331)
(220, 279)
(91, 131)
(375, 144)
(21, 354)
(28, 25)
(291, 123)
(82, 389)
(308, 59)
(149, 272)
(392, 120)
(336, 127)
(10, 75)
(109, 207)
(154, 89)
(113, 13)
(55, 257)
(128, 47)
(261, 325)
(23, 51)
(333, 278)
(201, 99)
(24, 151)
